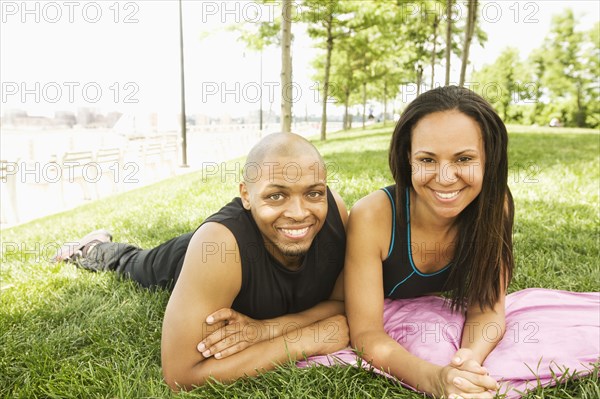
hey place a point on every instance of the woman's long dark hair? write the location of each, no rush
(483, 250)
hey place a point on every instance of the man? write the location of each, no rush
(258, 283)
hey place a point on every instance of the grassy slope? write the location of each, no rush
(69, 333)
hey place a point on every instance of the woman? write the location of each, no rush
(445, 226)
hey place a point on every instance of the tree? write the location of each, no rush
(358, 42)
(536, 67)
(390, 74)
(327, 21)
(386, 44)
(469, 30)
(365, 51)
(570, 82)
(257, 36)
(502, 82)
(592, 53)
(342, 81)
(346, 83)
(436, 24)
(388, 49)
(286, 66)
(449, 5)
(419, 35)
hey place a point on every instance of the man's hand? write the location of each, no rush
(237, 332)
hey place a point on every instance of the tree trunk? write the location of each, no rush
(436, 22)
(326, 79)
(469, 30)
(347, 124)
(384, 101)
(448, 39)
(364, 113)
(419, 78)
(346, 121)
(580, 116)
(286, 67)
(505, 104)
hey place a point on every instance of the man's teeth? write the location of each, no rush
(447, 195)
(295, 232)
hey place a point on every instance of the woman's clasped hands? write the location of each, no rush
(464, 377)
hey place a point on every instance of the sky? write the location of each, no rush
(124, 55)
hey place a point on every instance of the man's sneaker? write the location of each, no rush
(71, 251)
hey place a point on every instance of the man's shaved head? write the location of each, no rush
(281, 145)
(288, 145)
(285, 188)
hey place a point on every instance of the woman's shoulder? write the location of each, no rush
(374, 206)
(371, 224)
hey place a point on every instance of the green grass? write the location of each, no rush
(67, 333)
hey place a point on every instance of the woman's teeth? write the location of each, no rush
(447, 195)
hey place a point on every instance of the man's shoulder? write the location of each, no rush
(232, 210)
(211, 233)
(236, 219)
(213, 244)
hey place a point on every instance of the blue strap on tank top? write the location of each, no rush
(410, 257)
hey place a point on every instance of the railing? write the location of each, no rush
(81, 176)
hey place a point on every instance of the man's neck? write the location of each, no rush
(292, 263)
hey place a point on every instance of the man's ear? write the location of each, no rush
(245, 195)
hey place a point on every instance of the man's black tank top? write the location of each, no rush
(401, 278)
(268, 288)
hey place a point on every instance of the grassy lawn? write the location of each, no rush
(68, 333)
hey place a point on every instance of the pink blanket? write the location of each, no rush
(548, 332)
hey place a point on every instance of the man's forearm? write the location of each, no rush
(260, 357)
(294, 344)
(321, 311)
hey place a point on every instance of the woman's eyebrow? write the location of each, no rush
(456, 154)
(466, 150)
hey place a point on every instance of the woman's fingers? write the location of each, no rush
(473, 383)
(463, 360)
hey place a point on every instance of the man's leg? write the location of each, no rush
(73, 250)
(156, 267)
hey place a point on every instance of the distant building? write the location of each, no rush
(66, 118)
(85, 118)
